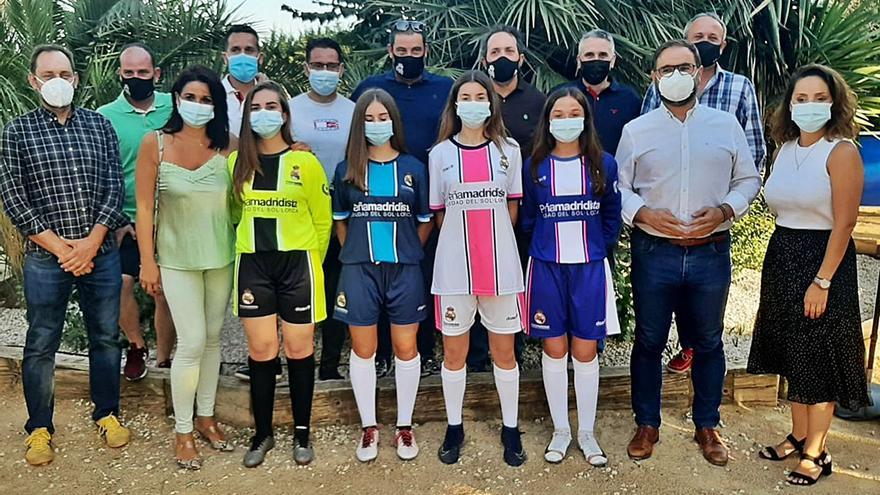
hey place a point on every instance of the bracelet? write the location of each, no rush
(723, 213)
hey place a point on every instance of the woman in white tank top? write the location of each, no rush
(808, 327)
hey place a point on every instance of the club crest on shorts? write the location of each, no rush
(340, 300)
(408, 180)
(247, 297)
(450, 314)
(540, 317)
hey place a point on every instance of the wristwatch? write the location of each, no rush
(823, 283)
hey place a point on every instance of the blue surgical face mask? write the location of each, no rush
(473, 114)
(811, 116)
(267, 123)
(378, 133)
(567, 130)
(323, 82)
(195, 114)
(244, 67)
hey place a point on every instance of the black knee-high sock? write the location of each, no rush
(263, 394)
(302, 387)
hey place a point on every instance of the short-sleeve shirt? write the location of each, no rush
(323, 126)
(570, 222)
(383, 220)
(476, 251)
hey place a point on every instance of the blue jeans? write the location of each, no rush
(47, 289)
(693, 283)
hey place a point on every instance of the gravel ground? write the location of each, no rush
(84, 466)
(739, 319)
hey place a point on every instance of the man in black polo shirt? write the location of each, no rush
(614, 104)
(521, 103)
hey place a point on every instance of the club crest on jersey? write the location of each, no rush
(408, 180)
(450, 314)
(294, 174)
(504, 162)
(340, 300)
(540, 318)
(247, 297)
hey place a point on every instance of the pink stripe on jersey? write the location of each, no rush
(475, 165)
(480, 234)
(558, 243)
(584, 176)
(553, 178)
(586, 242)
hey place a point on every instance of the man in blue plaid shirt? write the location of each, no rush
(61, 184)
(723, 90)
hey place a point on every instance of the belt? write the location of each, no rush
(702, 241)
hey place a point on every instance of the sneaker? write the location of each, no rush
(244, 373)
(405, 441)
(558, 446)
(114, 434)
(302, 454)
(514, 454)
(429, 367)
(257, 453)
(452, 442)
(591, 449)
(39, 447)
(164, 364)
(368, 448)
(383, 368)
(682, 361)
(135, 363)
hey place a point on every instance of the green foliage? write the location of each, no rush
(623, 286)
(749, 237)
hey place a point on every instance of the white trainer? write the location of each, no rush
(591, 449)
(558, 447)
(368, 448)
(407, 448)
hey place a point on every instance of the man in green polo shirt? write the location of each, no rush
(138, 110)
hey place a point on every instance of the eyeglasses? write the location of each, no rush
(667, 70)
(402, 26)
(333, 67)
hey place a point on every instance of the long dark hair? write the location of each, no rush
(589, 144)
(357, 154)
(450, 124)
(218, 127)
(247, 163)
(843, 106)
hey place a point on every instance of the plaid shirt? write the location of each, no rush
(66, 178)
(733, 94)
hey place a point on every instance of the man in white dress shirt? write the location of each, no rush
(686, 173)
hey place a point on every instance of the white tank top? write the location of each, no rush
(798, 190)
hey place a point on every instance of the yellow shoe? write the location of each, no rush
(39, 447)
(113, 433)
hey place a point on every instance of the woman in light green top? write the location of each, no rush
(189, 255)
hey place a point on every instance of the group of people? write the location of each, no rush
(430, 204)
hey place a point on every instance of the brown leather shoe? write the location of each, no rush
(642, 444)
(712, 446)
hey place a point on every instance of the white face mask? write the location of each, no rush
(473, 114)
(811, 116)
(57, 92)
(677, 87)
(567, 130)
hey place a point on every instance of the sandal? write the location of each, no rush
(823, 462)
(214, 436)
(771, 454)
(186, 455)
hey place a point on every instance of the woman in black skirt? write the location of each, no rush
(808, 326)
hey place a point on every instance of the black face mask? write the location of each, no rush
(709, 52)
(138, 89)
(502, 70)
(409, 67)
(595, 71)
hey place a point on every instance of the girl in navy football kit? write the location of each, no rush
(572, 207)
(380, 208)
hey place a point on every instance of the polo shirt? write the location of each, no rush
(131, 125)
(612, 109)
(420, 103)
(521, 111)
(234, 106)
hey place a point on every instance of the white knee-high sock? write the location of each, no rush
(586, 389)
(406, 377)
(453, 392)
(363, 383)
(507, 385)
(555, 373)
